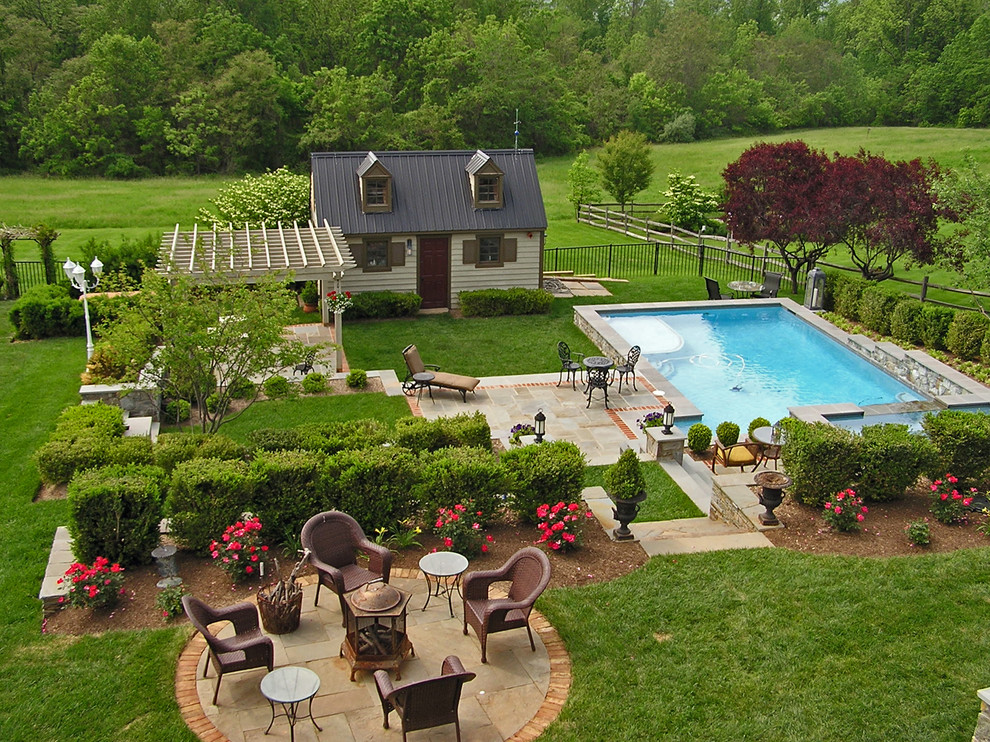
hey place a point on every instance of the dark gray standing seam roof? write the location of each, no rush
(431, 192)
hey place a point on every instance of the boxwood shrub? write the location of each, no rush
(276, 439)
(463, 429)
(935, 322)
(99, 419)
(699, 437)
(453, 475)
(288, 489)
(496, 302)
(820, 458)
(891, 459)
(343, 435)
(204, 497)
(85, 437)
(174, 448)
(373, 485)
(848, 290)
(876, 305)
(543, 473)
(47, 311)
(966, 334)
(115, 512)
(727, 432)
(383, 305)
(906, 321)
(962, 440)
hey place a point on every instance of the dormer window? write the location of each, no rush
(486, 181)
(376, 185)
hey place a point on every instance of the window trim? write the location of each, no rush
(367, 242)
(500, 262)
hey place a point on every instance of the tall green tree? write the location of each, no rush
(625, 165)
(582, 182)
(965, 193)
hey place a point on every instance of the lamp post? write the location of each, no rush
(540, 425)
(668, 419)
(77, 277)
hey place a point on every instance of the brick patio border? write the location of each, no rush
(560, 677)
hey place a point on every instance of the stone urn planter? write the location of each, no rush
(772, 485)
(626, 487)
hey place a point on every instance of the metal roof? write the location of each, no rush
(309, 251)
(431, 192)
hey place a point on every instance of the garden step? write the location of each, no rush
(59, 560)
(695, 544)
(138, 427)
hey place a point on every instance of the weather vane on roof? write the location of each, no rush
(516, 122)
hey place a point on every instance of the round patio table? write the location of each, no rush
(446, 569)
(598, 362)
(290, 686)
(744, 287)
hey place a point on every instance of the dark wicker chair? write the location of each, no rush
(567, 364)
(246, 650)
(334, 539)
(425, 703)
(598, 378)
(628, 368)
(714, 290)
(528, 571)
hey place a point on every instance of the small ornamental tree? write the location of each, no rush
(625, 165)
(276, 196)
(687, 204)
(582, 182)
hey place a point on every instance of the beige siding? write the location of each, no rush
(523, 273)
(400, 278)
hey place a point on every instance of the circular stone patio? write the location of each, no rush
(514, 696)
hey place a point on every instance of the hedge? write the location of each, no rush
(496, 302)
(288, 489)
(891, 458)
(172, 449)
(115, 512)
(935, 322)
(463, 429)
(47, 311)
(543, 473)
(966, 334)
(820, 458)
(906, 322)
(876, 305)
(848, 291)
(85, 437)
(383, 305)
(962, 440)
(373, 485)
(205, 496)
(453, 475)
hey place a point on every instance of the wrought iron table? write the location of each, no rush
(446, 569)
(290, 686)
(744, 287)
(420, 382)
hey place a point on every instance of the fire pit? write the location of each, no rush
(375, 619)
(772, 484)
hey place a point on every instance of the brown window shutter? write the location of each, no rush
(509, 251)
(357, 252)
(398, 253)
(470, 252)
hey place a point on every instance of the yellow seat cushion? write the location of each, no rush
(738, 456)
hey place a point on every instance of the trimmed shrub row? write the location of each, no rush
(86, 437)
(52, 311)
(496, 302)
(383, 305)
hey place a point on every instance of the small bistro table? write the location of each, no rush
(744, 287)
(290, 686)
(422, 381)
(598, 362)
(446, 569)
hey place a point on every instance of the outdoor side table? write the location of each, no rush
(446, 569)
(422, 381)
(290, 686)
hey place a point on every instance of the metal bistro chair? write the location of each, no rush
(568, 364)
(424, 704)
(628, 368)
(714, 290)
(598, 378)
(307, 365)
(771, 285)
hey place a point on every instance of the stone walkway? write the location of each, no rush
(514, 696)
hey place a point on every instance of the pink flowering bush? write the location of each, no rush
(240, 551)
(948, 503)
(96, 586)
(560, 525)
(460, 529)
(844, 511)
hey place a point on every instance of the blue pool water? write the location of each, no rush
(737, 363)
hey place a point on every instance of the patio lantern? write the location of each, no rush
(814, 291)
(668, 418)
(540, 425)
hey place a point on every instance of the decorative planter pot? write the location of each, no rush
(625, 511)
(279, 617)
(310, 308)
(772, 494)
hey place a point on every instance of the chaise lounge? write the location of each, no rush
(443, 380)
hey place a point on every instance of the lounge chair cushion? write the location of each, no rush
(454, 381)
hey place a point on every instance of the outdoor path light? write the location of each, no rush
(77, 277)
(668, 419)
(541, 425)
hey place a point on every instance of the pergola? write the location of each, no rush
(308, 251)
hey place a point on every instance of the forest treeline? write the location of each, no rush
(126, 88)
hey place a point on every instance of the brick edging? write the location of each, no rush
(196, 719)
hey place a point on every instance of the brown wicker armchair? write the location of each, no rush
(333, 539)
(528, 571)
(425, 703)
(246, 650)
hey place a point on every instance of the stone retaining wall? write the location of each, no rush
(138, 401)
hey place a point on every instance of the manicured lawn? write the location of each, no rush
(779, 646)
(664, 499)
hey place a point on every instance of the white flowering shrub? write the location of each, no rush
(276, 196)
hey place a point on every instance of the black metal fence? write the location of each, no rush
(31, 273)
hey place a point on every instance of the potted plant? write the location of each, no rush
(310, 296)
(280, 603)
(625, 485)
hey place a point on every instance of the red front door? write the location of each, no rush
(434, 271)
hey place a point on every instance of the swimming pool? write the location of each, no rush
(739, 362)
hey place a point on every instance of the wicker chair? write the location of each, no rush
(628, 367)
(528, 571)
(425, 703)
(568, 365)
(246, 650)
(738, 454)
(333, 539)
